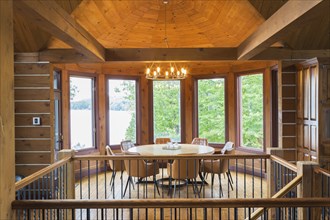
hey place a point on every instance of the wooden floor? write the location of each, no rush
(97, 187)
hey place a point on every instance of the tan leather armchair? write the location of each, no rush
(140, 169)
(183, 169)
(115, 166)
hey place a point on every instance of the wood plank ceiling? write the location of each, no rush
(189, 24)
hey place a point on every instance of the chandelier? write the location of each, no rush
(170, 71)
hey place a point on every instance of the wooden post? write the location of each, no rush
(270, 182)
(7, 127)
(70, 183)
(306, 188)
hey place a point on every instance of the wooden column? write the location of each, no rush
(267, 108)
(7, 135)
(231, 107)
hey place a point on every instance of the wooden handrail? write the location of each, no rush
(287, 188)
(29, 179)
(284, 163)
(170, 203)
(320, 170)
(200, 156)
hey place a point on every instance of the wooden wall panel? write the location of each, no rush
(33, 98)
(32, 132)
(32, 107)
(39, 81)
(26, 119)
(31, 145)
(33, 157)
(32, 94)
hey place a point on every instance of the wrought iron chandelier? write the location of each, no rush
(168, 71)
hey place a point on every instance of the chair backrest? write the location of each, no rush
(115, 165)
(200, 141)
(125, 145)
(228, 146)
(184, 168)
(138, 167)
(162, 140)
(224, 164)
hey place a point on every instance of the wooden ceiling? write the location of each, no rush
(246, 27)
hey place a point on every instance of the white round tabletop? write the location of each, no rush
(158, 150)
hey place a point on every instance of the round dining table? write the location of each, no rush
(163, 150)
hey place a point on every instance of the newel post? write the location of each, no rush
(69, 184)
(309, 187)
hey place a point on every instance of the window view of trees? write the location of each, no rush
(122, 110)
(211, 109)
(82, 113)
(166, 109)
(251, 94)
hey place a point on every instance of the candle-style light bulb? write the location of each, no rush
(158, 69)
(172, 69)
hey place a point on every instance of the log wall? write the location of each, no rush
(34, 97)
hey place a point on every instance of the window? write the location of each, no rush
(211, 109)
(82, 112)
(167, 109)
(122, 110)
(251, 111)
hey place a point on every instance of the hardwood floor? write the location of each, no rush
(97, 187)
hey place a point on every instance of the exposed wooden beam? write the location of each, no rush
(171, 54)
(163, 55)
(288, 54)
(65, 56)
(55, 20)
(292, 15)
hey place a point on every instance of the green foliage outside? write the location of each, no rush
(211, 109)
(166, 99)
(252, 110)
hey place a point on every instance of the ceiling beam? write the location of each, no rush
(288, 54)
(164, 55)
(170, 54)
(290, 16)
(55, 20)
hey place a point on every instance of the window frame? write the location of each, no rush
(239, 111)
(137, 106)
(195, 126)
(95, 110)
(182, 111)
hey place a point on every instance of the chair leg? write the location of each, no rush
(112, 181)
(155, 182)
(196, 188)
(128, 180)
(229, 182)
(169, 186)
(220, 186)
(230, 177)
(212, 179)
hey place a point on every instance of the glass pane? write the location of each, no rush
(81, 113)
(122, 110)
(252, 111)
(211, 110)
(166, 105)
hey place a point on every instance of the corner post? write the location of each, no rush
(306, 188)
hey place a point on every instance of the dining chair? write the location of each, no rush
(183, 169)
(140, 169)
(125, 145)
(200, 141)
(218, 166)
(162, 140)
(115, 166)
